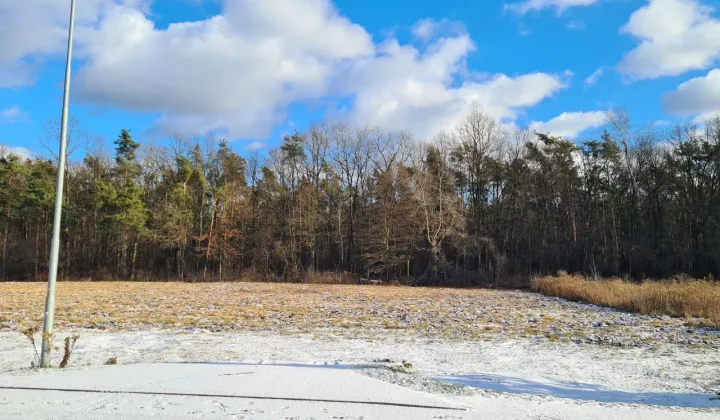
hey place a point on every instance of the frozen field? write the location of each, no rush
(516, 353)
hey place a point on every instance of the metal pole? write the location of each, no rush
(55, 247)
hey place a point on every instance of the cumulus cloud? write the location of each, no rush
(699, 97)
(570, 124)
(20, 152)
(402, 87)
(424, 29)
(33, 31)
(705, 116)
(240, 70)
(675, 36)
(560, 6)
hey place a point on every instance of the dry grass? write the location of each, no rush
(248, 276)
(69, 344)
(288, 307)
(330, 278)
(681, 298)
(366, 311)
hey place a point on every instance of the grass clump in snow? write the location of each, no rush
(69, 344)
(29, 333)
(678, 297)
(402, 367)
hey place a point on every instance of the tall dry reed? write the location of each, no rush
(682, 298)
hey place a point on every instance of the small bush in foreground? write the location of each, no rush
(686, 298)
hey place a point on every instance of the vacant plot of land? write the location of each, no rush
(678, 298)
(521, 348)
(341, 310)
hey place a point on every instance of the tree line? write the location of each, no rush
(483, 204)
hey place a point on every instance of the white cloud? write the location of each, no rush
(405, 88)
(662, 123)
(575, 25)
(699, 96)
(424, 29)
(9, 114)
(705, 116)
(595, 76)
(675, 36)
(570, 124)
(427, 29)
(238, 71)
(20, 152)
(560, 6)
(33, 31)
(256, 145)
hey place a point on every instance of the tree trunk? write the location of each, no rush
(134, 257)
(220, 269)
(340, 238)
(180, 263)
(408, 268)
(123, 253)
(37, 248)
(66, 251)
(210, 237)
(4, 251)
(616, 244)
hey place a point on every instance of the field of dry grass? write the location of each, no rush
(242, 306)
(690, 298)
(334, 310)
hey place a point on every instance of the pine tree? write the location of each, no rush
(129, 214)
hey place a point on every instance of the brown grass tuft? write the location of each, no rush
(30, 334)
(69, 343)
(676, 297)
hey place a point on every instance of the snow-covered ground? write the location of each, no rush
(530, 378)
(506, 354)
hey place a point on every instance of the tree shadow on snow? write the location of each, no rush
(579, 391)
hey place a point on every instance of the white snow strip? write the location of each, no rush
(516, 378)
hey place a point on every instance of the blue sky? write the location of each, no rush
(252, 70)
